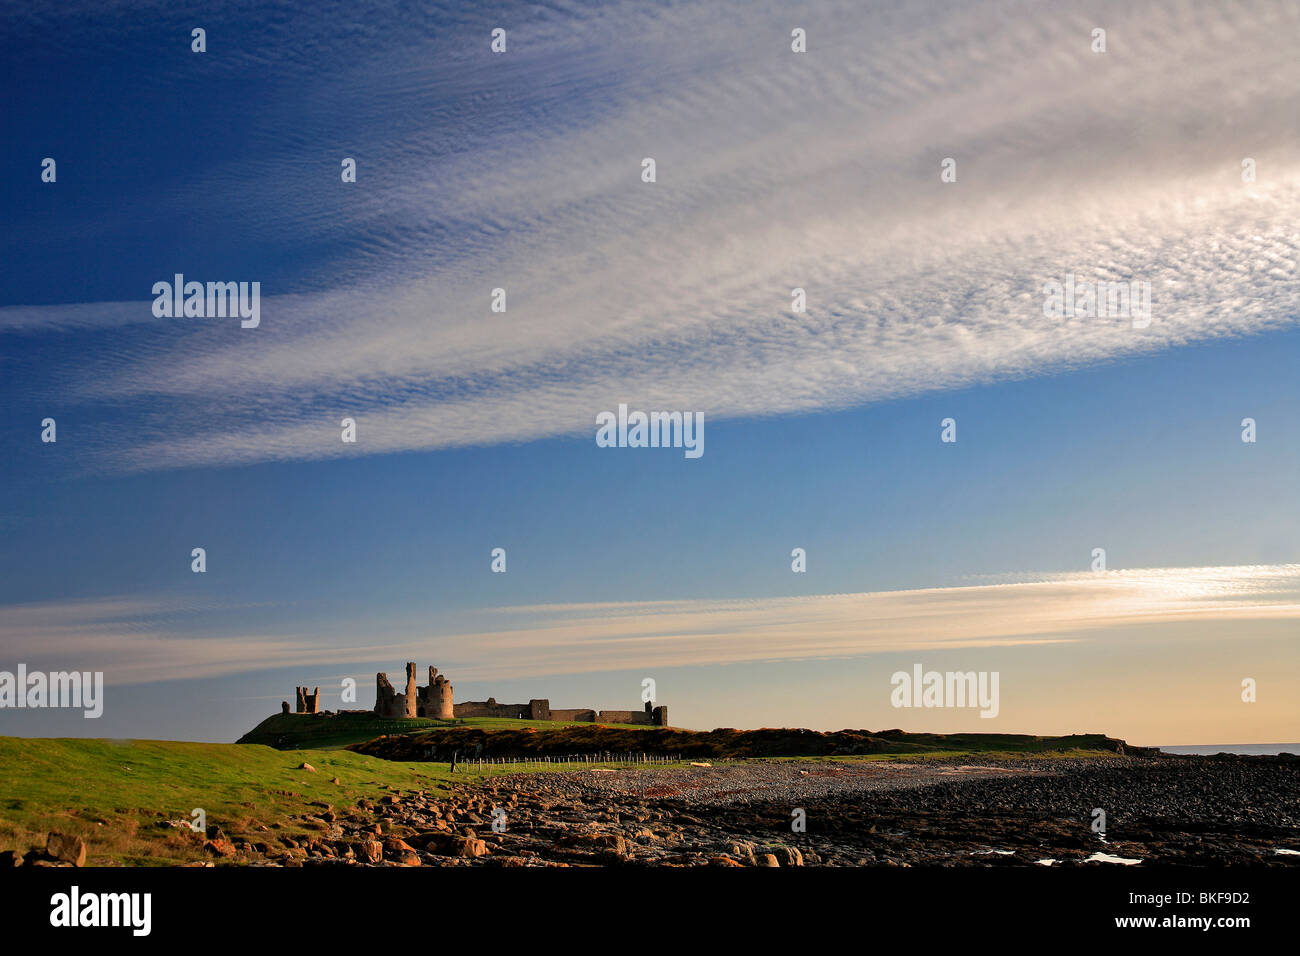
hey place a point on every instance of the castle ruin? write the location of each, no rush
(307, 703)
(435, 700)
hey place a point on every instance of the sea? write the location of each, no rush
(1256, 750)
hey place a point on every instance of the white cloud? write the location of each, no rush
(136, 641)
(775, 170)
(1039, 609)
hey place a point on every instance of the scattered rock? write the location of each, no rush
(458, 846)
(400, 852)
(611, 843)
(220, 848)
(66, 848)
(787, 855)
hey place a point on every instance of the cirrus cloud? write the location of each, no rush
(776, 171)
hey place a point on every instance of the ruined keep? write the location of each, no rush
(307, 703)
(437, 697)
(435, 700)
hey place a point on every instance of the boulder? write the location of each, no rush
(400, 852)
(607, 843)
(219, 847)
(744, 851)
(66, 848)
(448, 844)
(787, 855)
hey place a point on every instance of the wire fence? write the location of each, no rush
(529, 763)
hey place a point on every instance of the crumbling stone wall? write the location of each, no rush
(651, 716)
(490, 708)
(535, 709)
(573, 715)
(541, 710)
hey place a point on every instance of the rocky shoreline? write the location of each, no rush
(1196, 811)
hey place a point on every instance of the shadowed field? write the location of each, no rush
(335, 730)
(514, 741)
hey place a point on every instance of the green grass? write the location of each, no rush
(114, 793)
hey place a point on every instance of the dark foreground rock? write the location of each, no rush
(1188, 811)
(986, 812)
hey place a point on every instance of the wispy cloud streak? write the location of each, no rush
(140, 641)
(776, 170)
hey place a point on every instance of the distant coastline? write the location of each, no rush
(1254, 750)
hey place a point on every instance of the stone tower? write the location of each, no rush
(307, 703)
(437, 697)
(384, 695)
(412, 701)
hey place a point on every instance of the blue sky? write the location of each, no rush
(475, 429)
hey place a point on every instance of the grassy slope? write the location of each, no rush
(113, 793)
